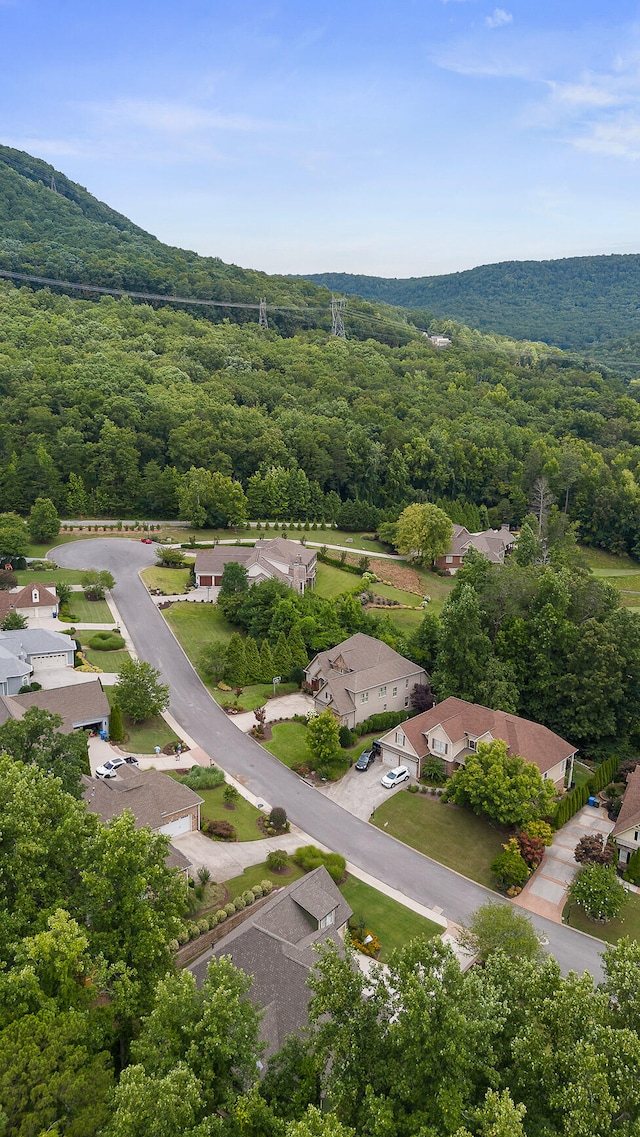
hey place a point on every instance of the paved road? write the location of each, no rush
(388, 860)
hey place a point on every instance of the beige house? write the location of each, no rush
(154, 799)
(626, 831)
(287, 561)
(494, 544)
(453, 729)
(361, 677)
(34, 601)
(81, 706)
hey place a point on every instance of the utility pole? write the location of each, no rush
(337, 322)
(262, 318)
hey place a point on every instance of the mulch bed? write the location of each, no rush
(399, 575)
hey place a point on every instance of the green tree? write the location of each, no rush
(35, 739)
(504, 786)
(14, 535)
(423, 531)
(282, 660)
(599, 892)
(299, 653)
(212, 498)
(323, 739)
(267, 667)
(317, 1124)
(14, 622)
(95, 583)
(527, 549)
(499, 927)
(252, 660)
(116, 727)
(233, 590)
(76, 496)
(44, 523)
(235, 669)
(509, 867)
(497, 1117)
(169, 557)
(423, 644)
(148, 1106)
(465, 649)
(213, 659)
(139, 692)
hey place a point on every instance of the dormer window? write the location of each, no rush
(328, 920)
(35, 596)
(472, 743)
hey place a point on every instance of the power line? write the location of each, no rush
(262, 318)
(337, 322)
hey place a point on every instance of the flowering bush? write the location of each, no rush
(599, 892)
(358, 938)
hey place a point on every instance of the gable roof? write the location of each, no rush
(532, 741)
(152, 797)
(275, 946)
(11, 667)
(12, 600)
(76, 704)
(629, 816)
(35, 641)
(358, 664)
(276, 557)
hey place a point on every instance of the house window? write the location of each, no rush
(544, 776)
(400, 738)
(35, 596)
(382, 692)
(406, 684)
(448, 560)
(364, 698)
(438, 747)
(327, 920)
(635, 835)
(394, 692)
(406, 700)
(472, 744)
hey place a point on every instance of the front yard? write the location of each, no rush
(455, 837)
(243, 816)
(194, 626)
(109, 661)
(169, 581)
(89, 611)
(254, 695)
(288, 742)
(627, 925)
(143, 736)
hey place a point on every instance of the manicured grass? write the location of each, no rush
(410, 598)
(254, 695)
(332, 581)
(405, 620)
(194, 626)
(170, 581)
(598, 559)
(454, 837)
(627, 582)
(255, 874)
(627, 925)
(363, 540)
(110, 661)
(288, 743)
(363, 743)
(145, 736)
(581, 773)
(40, 551)
(50, 576)
(393, 923)
(90, 611)
(243, 817)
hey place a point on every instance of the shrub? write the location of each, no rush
(412, 789)
(116, 726)
(509, 867)
(204, 874)
(346, 738)
(257, 891)
(598, 891)
(230, 795)
(632, 871)
(531, 849)
(230, 908)
(213, 920)
(183, 935)
(173, 946)
(240, 903)
(223, 830)
(106, 641)
(433, 770)
(203, 777)
(540, 829)
(194, 930)
(276, 859)
(222, 915)
(309, 857)
(359, 934)
(594, 849)
(203, 924)
(336, 866)
(278, 817)
(248, 896)
(267, 886)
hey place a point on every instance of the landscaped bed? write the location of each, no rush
(627, 925)
(169, 581)
(455, 837)
(254, 695)
(244, 817)
(257, 873)
(393, 923)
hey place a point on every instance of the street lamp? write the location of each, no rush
(276, 679)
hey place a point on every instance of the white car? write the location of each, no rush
(395, 777)
(110, 768)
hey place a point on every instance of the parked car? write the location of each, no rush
(110, 768)
(365, 760)
(395, 777)
(147, 540)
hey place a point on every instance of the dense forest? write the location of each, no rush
(587, 304)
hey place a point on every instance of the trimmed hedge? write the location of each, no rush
(106, 641)
(309, 857)
(570, 804)
(604, 774)
(378, 724)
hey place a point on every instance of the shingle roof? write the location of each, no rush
(151, 796)
(629, 816)
(531, 740)
(35, 641)
(276, 556)
(76, 704)
(14, 599)
(367, 663)
(275, 946)
(11, 667)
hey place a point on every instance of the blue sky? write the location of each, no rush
(405, 138)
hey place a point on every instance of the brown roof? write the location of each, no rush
(629, 816)
(152, 797)
(533, 742)
(77, 704)
(358, 664)
(276, 556)
(23, 598)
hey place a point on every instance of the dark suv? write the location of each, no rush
(365, 760)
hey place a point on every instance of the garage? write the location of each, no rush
(204, 580)
(175, 828)
(393, 758)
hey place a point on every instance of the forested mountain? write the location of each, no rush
(579, 303)
(52, 227)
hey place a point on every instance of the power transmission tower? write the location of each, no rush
(53, 183)
(337, 322)
(262, 318)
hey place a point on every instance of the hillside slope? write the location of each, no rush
(579, 304)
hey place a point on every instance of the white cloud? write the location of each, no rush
(172, 117)
(618, 138)
(498, 18)
(586, 94)
(48, 147)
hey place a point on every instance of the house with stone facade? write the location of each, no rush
(494, 544)
(279, 559)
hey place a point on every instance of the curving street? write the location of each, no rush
(383, 857)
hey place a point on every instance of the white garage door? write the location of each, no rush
(173, 828)
(42, 662)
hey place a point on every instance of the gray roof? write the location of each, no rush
(275, 945)
(358, 664)
(152, 797)
(276, 557)
(35, 641)
(492, 543)
(79, 704)
(11, 667)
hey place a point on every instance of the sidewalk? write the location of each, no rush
(545, 893)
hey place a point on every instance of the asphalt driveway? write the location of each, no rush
(412, 874)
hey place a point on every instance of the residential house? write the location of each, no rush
(154, 799)
(14, 672)
(38, 648)
(453, 729)
(82, 706)
(626, 831)
(287, 561)
(34, 601)
(361, 677)
(275, 946)
(494, 544)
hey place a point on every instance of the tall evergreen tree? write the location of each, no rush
(267, 666)
(235, 668)
(282, 660)
(253, 668)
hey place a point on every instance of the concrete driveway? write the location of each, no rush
(359, 791)
(546, 891)
(283, 707)
(228, 859)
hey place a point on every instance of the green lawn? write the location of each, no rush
(393, 923)
(40, 551)
(170, 581)
(405, 620)
(331, 581)
(257, 873)
(194, 626)
(50, 576)
(363, 540)
(410, 598)
(602, 563)
(254, 695)
(110, 661)
(90, 611)
(243, 816)
(288, 743)
(454, 837)
(581, 773)
(627, 925)
(143, 736)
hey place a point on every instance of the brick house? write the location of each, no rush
(494, 544)
(287, 561)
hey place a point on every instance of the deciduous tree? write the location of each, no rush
(139, 691)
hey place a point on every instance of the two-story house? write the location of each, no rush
(288, 561)
(494, 544)
(626, 831)
(361, 677)
(454, 728)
